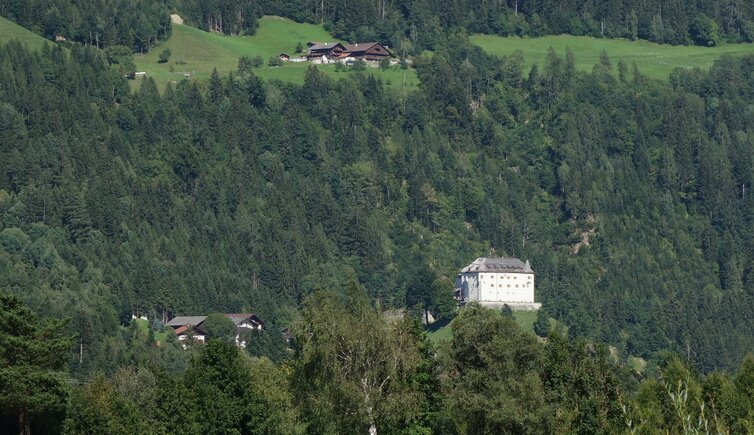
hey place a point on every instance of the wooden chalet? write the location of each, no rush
(372, 51)
(328, 50)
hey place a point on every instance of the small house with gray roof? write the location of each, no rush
(497, 281)
(188, 328)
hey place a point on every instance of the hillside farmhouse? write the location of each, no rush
(327, 50)
(371, 51)
(496, 281)
(337, 52)
(191, 328)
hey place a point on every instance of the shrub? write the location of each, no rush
(164, 56)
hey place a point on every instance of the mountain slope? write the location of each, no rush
(10, 30)
(196, 53)
(653, 60)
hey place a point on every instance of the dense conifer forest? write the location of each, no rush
(319, 206)
(409, 26)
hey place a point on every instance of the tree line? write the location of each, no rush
(408, 26)
(138, 24)
(351, 370)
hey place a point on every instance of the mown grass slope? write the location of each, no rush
(10, 30)
(525, 320)
(197, 53)
(653, 60)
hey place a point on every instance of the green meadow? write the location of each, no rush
(197, 53)
(10, 30)
(524, 319)
(653, 60)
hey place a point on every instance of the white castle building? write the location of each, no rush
(495, 281)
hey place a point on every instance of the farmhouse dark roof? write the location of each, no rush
(186, 320)
(498, 264)
(360, 46)
(323, 46)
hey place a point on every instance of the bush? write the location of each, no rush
(359, 65)
(244, 64)
(385, 64)
(220, 327)
(275, 61)
(749, 31)
(164, 56)
(704, 31)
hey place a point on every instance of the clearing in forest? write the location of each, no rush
(653, 60)
(196, 53)
(10, 30)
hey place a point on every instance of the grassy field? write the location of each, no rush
(197, 53)
(525, 320)
(10, 30)
(653, 60)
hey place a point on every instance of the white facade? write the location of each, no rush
(497, 282)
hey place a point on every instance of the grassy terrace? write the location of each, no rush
(525, 320)
(197, 53)
(10, 30)
(653, 60)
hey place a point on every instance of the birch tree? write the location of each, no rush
(353, 366)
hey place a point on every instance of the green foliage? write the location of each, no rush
(275, 61)
(10, 31)
(359, 65)
(219, 327)
(121, 57)
(506, 311)
(542, 324)
(33, 359)
(140, 24)
(654, 60)
(704, 31)
(164, 55)
(492, 365)
(353, 368)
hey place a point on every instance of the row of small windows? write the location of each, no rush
(506, 277)
(500, 285)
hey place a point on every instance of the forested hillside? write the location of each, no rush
(320, 206)
(414, 25)
(137, 24)
(236, 194)
(408, 26)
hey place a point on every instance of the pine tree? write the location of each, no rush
(542, 324)
(33, 358)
